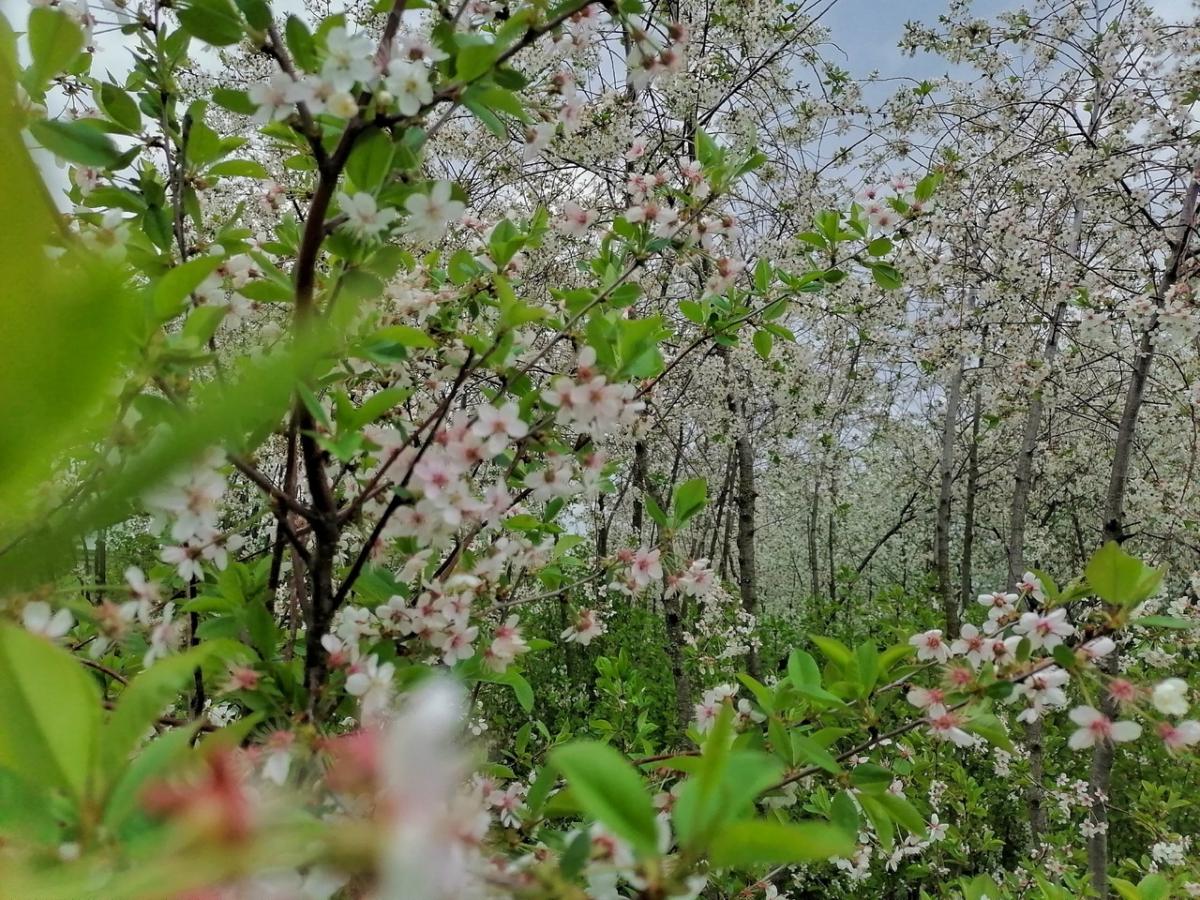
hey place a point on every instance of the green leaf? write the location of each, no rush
(54, 42)
(157, 757)
(1127, 889)
(803, 669)
(257, 13)
(903, 812)
(406, 335)
(655, 511)
(463, 267)
(837, 652)
(881, 246)
(240, 168)
(610, 790)
(1165, 622)
(991, 729)
(174, 287)
(215, 22)
(522, 689)
(300, 42)
(692, 311)
(867, 658)
(689, 499)
(121, 108)
(475, 59)
(28, 812)
(870, 778)
(753, 843)
(144, 699)
(881, 820)
(1154, 887)
(235, 101)
(1119, 578)
(77, 142)
(707, 151)
(763, 275)
(813, 753)
(844, 814)
(371, 161)
(926, 186)
(238, 411)
(503, 100)
(492, 122)
(62, 342)
(1064, 656)
(763, 342)
(540, 789)
(49, 713)
(887, 277)
(893, 655)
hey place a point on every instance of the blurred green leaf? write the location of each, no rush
(610, 790)
(49, 713)
(752, 843)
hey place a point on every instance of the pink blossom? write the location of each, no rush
(1179, 735)
(575, 220)
(587, 628)
(930, 645)
(971, 644)
(646, 567)
(1095, 727)
(944, 726)
(1045, 629)
(927, 698)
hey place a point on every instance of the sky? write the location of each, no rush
(865, 32)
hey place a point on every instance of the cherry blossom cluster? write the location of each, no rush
(1041, 687)
(188, 504)
(878, 203)
(400, 79)
(649, 57)
(589, 402)
(717, 698)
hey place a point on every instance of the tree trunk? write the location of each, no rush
(831, 570)
(1018, 514)
(745, 536)
(966, 575)
(101, 559)
(726, 486)
(946, 588)
(639, 484)
(814, 576)
(1114, 525)
(1098, 787)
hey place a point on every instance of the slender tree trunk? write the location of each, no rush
(602, 531)
(639, 484)
(966, 573)
(746, 495)
(1114, 526)
(672, 607)
(1018, 511)
(289, 488)
(814, 577)
(831, 571)
(673, 620)
(946, 588)
(726, 486)
(1099, 784)
(101, 559)
(1018, 515)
